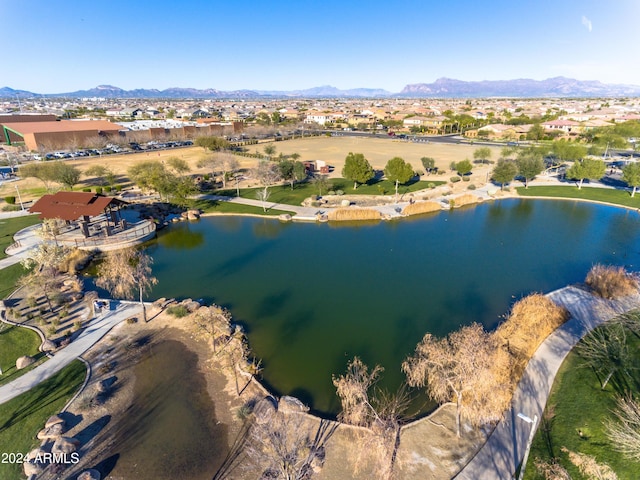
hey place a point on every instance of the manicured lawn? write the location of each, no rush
(209, 206)
(607, 195)
(580, 407)
(9, 226)
(9, 277)
(16, 342)
(284, 194)
(22, 417)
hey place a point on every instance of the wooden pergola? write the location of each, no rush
(81, 207)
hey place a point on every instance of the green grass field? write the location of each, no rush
(607, 195)
(9, 277)
(580, 407)
(209, 206)
(22, 417)
(9, 226)
(284, 194)
(16, 342)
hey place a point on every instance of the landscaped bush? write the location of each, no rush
(531, 320)
(454, 179)
(421, 207)
(431, 185)
(610, 282)
(86, 189)
(471, 187)
(466, 179)
(11, 200)
(339, 192)
(99, 190)
(466, 199)
(346, 214)
(178, 311)
(107, 189)
(10, 208)
(118, 188)
(331, 192)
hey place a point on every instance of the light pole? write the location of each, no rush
(19, 198)
(533, 424)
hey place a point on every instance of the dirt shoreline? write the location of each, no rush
(100, 426)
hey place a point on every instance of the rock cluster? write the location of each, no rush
(54, 446)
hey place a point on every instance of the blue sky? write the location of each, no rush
(54, 46)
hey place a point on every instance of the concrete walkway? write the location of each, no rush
(25, 240)
(94, 331)
(505, 448)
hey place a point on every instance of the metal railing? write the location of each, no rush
(136, 232)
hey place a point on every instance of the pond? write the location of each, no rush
(312, 296)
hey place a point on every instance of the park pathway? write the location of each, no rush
(97, 328)
(505, 448)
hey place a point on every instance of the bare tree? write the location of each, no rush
(267, 174)
(286, 448)
(377, 410)
(353, 390)
(624, 432)
(469, 367)
(605, 350)
(44, 260)
(125, 271)
(223, 162)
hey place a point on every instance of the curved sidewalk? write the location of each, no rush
(94, 331)
(505, 448)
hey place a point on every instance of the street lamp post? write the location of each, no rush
(533, 424)
(19, 198)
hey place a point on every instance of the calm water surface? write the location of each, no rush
(314, 295)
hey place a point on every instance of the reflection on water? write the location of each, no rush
(181, 236)
(314, 295)
(170, 431)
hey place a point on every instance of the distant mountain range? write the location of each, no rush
(441, 88)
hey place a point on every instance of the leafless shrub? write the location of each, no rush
(531, 320)
(347, 214)
(611, 282)
(589, 467)
(551, 470)
(466, 199)
(624, 433)
(421, 207)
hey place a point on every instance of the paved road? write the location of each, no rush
(93, 332)
(504, 450)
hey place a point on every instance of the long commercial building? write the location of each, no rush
(55, 134)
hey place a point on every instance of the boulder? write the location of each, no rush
(65, 445)
(24, 362)
(89, 475)
(265, 410)
(289, 404)
(191, 305)
(193, 214)
(284, 217)
(52, 432)
(48, 346)
(53, 420)
(345, 203)
(31, 468)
